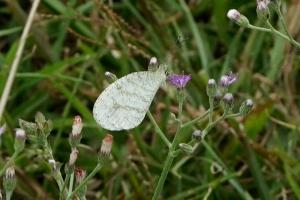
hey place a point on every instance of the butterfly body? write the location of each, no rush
(124, 103)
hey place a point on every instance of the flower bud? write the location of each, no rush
(29, 127)
(106, 147)
(197, 135)
(228, 102)
(19, 140)
(262, 9)
(217, 98)
(246, 107)
(186, 148)
(238, 18)
(73, 157)
(80, 175)
(211, 88)
(75, 135)
(153, 64)
(52, 163)
(9, 180)
(110, 76)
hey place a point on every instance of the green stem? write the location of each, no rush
(11, 160)
(271, 29)
(84, 182)
(172, 150)
(158, 130)
(71, 184)
(289, 37)
(8, 195)
(64, 185)
(211, 108)
(194, 121)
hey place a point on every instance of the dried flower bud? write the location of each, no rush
(112, 77)
(197, 135)
(211, 88)
(106, 146)
(80, 175)
(73, 157)
(238, 18)
(228, 102)
(20, 139)
(186, 148)
(246, 107)
(9, 180)
(75, 135)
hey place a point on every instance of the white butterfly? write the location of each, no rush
(124, 103)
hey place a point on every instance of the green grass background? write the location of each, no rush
(73, 42)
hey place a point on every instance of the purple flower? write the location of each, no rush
(228, 79)
(179, 81)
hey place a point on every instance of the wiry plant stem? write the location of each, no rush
(17, 58)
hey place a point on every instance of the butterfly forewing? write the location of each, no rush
(124, 103)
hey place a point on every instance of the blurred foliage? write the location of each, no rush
(72, 44)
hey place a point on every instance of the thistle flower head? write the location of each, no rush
(52, 163)
(179, 81)
(228, 102)
(153, 64)
(227, 80)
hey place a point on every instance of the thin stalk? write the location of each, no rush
(16, 61)
(71, 184)
(289, 38)
(8, 195)
(194, 121)
(158, 130)
(171, 155)
(211, 108)
(84, 182)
